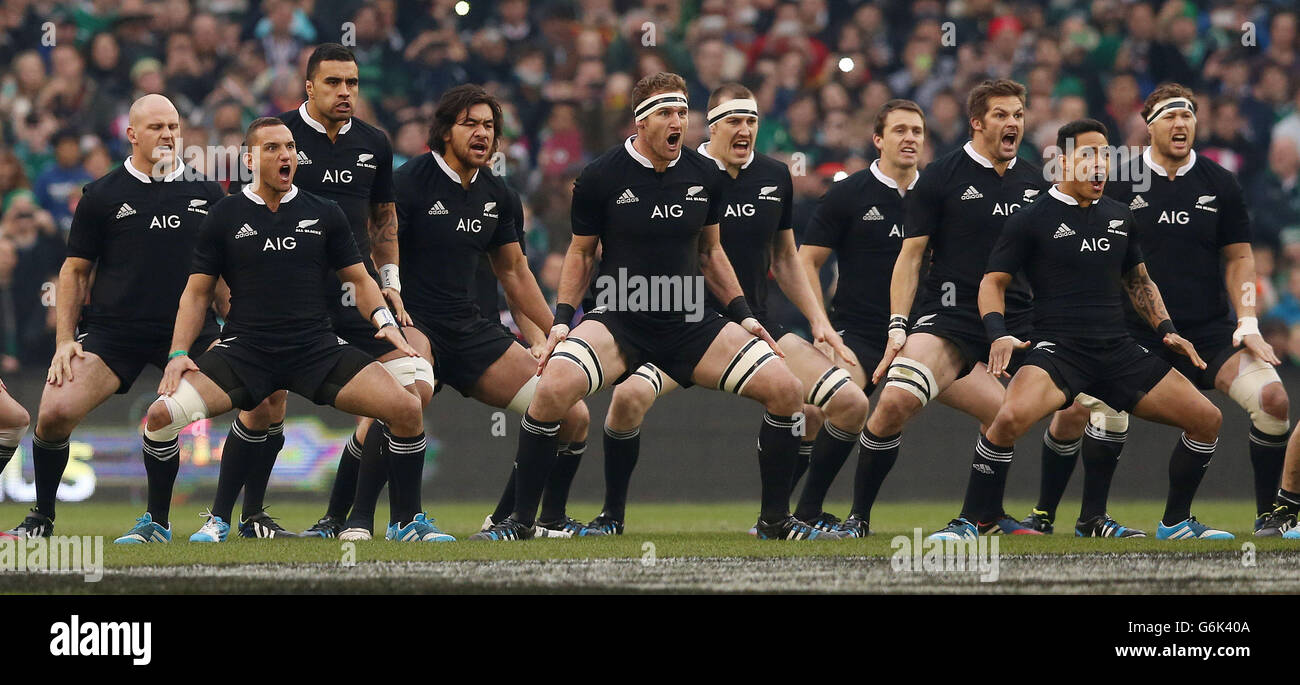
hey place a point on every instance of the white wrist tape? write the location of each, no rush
(383, 317)
(388, 277)
(1246, 325)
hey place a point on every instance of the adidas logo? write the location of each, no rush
(1138, 203)
(245, 231)
(983, 468)
(873, 214)
(303, 158)
(626, 198)
(971, 194)
(1063, 231)
(124, 211)
(437, 208)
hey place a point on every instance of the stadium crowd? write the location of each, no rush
(564, 70)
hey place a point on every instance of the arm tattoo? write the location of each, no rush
(383, 223)
(1145, 296)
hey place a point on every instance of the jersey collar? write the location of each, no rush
(704, 150)
(1146, 158)
(146, 178)
(645, 161)
(302, 111)
(248, 193)
(983, 161)
(880, 176)
(455, 177)
(1054, 192)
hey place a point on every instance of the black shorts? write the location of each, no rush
(250, 368)
(353, 328)
(125, 353)
(963, 327)
(867, 348)
(1118, 372)
(1212, 339)
(676, 347)
(464, 349)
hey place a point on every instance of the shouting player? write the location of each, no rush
(654, 206)
(1082, 253)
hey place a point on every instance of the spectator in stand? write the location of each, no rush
(61, 178)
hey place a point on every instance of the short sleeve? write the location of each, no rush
(826, 228)
(922, 205)
(1132, 256)
(1234, 220)
(716, 200)
(401, 200)
(86, 237)
(1012, 249)
(381, 189)
(517, 204)
(787, 202)
(210, 250)
(506, 220)
(588, 208)
(340, 246)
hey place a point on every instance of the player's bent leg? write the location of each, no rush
(588, 360)
(1104, 434)
(1255, 386)
(628, 407)
(1174, 401)
(922, 371)
(61, 409)
(1060, 452)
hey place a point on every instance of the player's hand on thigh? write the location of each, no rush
(1184, 347)
(824, 333)
(1000, 354)
(176, 368)
(1256, 345)
(61, 364)
(394, 336)
(754, 328)
(399, 309)
(897, 338)
(558, 334)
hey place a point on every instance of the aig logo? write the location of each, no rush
(666, 211)
(167, 221)
(1167, 217)
(470, 225)
(338, 176)
(1004, 208)
(1095, 245)
(280, 244)
(746, 209)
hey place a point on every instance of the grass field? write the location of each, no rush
(667, 548)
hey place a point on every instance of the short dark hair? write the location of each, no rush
(452, 104)
(977, 103)
(662, 82)
(1076, 128)
(1165, 91)
(728, 91)
(260, 123)
(327, 52)
(893, 106)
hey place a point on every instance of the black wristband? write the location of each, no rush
(738, 309)
(995, 325)
(1166, 327)
(564, 314)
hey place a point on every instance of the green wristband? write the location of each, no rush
(178, 353)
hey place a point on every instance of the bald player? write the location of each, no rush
(135, 229)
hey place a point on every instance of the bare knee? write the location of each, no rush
(892, 412)
(1068, 424)
(1204, 423)
(784, 393)
(560, 387)
(1011, 423)
(813, 420)
(576, 422)
(627, 409)
(54, 421)
(407, 416)
(847, 409)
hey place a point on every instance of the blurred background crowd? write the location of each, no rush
(565, 68)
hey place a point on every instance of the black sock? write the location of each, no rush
(1101, 450)
(259, 472)
(988, 480)
(344, 489)
(621, 451)
(405, 471)
(778, 449)
(371, 476)
(49, 459)
(1288, 501)
(1058, 463)
(506, 504)
(875, 459)
(1267, 455)
(556, 495)
(801, 465)
(237, 459)
(538, 447)
(1187, 467)
(830, 451)
(161, 464)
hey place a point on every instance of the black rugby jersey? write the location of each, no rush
(140, 234)
(443, 231)
(961, 202)
(485, 279)
(861, 219)
(1075, 258)
(649, 222)
(272, 261)
(1184, 223)
(756, 205)
(355, 170)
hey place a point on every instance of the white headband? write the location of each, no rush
(1166, 106)
(745, 107)
(654, 102)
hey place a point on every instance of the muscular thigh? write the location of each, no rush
(939, 355)
(805, 361)
(613, 363)
(708, 372)
(977, 393)
(371, 392)
(503, 379)
(92, 383)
